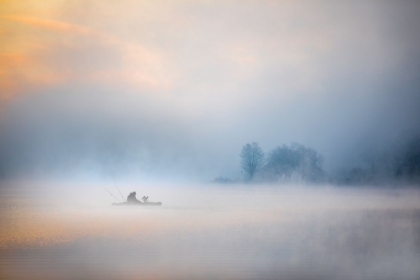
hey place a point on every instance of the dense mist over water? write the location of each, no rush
(219, 233)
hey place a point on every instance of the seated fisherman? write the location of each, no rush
(132, 198)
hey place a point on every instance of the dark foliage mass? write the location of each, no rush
(410, 164)
(296, 159)
(283, 163)
(398, 164)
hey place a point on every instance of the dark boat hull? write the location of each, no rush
(138, 204)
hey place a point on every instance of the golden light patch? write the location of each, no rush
(25, 227)
(51, 24)
(43, 52)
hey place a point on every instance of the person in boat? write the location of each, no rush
(132, 198)
(145, 198)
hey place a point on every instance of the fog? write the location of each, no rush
(172, 99)
(72, 134)
(52, 231)
(154, 91)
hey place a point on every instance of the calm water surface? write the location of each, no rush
(231, 233)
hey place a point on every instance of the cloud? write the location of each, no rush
(62, 52)
(54, 25)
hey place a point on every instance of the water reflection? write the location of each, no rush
(218, 234)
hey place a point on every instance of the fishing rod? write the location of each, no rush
(118, 190)
(111, 194)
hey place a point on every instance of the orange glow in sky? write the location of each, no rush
(45, 44)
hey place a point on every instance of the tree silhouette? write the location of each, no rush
(252, 158)
(283, 161)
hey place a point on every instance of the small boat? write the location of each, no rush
(138, 204)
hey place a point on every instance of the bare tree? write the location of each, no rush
(252, 158)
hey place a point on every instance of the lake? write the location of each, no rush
(209, 232)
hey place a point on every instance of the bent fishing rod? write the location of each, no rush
(111, 194)
(118, 189)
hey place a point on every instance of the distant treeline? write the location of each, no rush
(299, 164)
(397, 164)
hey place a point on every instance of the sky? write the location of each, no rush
(172, 90)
